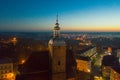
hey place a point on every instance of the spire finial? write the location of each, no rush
(56, 28)
(57, 18)
(57, 24)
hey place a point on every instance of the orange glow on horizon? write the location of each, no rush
(94, 29)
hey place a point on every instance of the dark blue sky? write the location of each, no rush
(81, 15)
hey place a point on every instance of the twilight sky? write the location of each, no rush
(74, 15)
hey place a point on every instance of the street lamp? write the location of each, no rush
(23, 61)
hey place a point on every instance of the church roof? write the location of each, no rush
(110, 60)
(4, 60)
(57, 42)
(37, 67)
(83, 58)
(38, 61)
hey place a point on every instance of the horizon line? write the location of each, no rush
(60, 31)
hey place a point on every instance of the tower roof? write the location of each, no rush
(57, 42)
(57, 24)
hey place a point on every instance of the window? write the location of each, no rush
(9, 66)
(58, 46)
(5, 71)
(58, 62)
(5, 75)
(2, 76)
(1, 67)
(2, 72)
(5, 67)
(10, 71)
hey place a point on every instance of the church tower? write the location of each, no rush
(57, 48)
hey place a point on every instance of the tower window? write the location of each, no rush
(58, 62)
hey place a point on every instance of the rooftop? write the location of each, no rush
(83, 58)
(110, 60)
(5, 60)
(83, 49)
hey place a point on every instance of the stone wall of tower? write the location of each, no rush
(58, 58)
(58, 62)
(59, 76)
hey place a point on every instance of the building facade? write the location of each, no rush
(6, 70)
(84, 65)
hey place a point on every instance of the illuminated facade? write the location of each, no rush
(84, 65)
(6, 70)
(83, 69)
(118, 53)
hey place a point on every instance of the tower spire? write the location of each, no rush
(56, 28)
(57, 24)
(57, 18)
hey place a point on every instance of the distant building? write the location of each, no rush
(14, 41)
(109, 50)
(118, 53)
(6, 69)
(86, 42)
